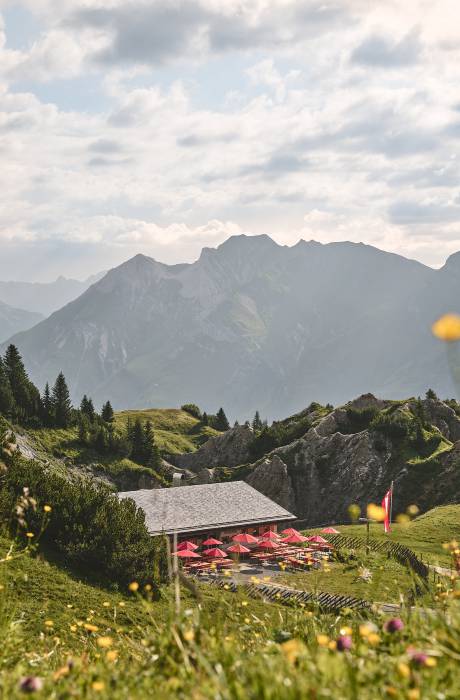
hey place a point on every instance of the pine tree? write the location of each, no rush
(87, 408)
(221, 422)
(62, 406)
(205, 419)
(107, 413)
(257, 423)
(430, 394)
(151, 456)
(47, 407)
(101, 441)
(137, 442)
(6, 395)
(26, 395)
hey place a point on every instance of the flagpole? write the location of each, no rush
(391, 501)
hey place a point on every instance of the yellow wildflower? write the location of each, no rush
(413, 510)
(49, 623)
(98, 686)
(391, 691)
(332, 645)
(47, 509)
(402, 519)
(90, 628)
(447, 328)
(73, 628)
(292, 649)
(375, 512)
(354, 511)
(403, 670)
(30, 535)
(134, 586)
(111, 655)
(106, 604)
(413, 694)
(373, 639)
(121, 604)
(322, 639)
(189, 635)
(346, 631)
(431, 662)
(104, 642)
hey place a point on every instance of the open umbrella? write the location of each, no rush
(270, 535)
(215, 552)
(317, 539)
(238, 549)
(186, 545)
(268, 544)
(295, 539)
(290, 531)
(330, 531)
(211, 541)
(187, 554)
(245, 538)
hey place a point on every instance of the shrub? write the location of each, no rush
(192, 409)
(360, 418)
(94, 532)
(395, 426)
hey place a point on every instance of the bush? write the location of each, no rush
(192, 409)
(395, 426)
(94, 532)
(361, 418)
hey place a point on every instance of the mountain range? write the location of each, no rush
(13, 320)
(252, 325)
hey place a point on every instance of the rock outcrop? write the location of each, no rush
(227, 450)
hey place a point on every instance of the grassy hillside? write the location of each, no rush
(425, 534)
(176, 431)
(74, 640)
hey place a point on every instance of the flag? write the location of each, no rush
(386, 505)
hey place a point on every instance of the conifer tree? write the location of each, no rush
(47, 407)
(137, 442)
(6, 395)
(221, 422)
(107, 413)
(257, 423)
(62, 406)
(87, 408)
(205, 419)
(26, 395)
(151, 456)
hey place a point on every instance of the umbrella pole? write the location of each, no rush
(176, 578)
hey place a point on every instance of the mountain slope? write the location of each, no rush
(252, 325)
(13, 320)
(44, 297)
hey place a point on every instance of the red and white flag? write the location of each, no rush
(386, 505)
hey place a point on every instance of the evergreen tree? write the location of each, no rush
(430, 394)
(84, 429)
(151, 456)
(87, 408)
(137, 442)
(257, 423)
(6, 395)
(205, 419)
(62, 406)
(101, 441)
(107, 413)
(221, 422)
(26, 396)
(47, 407)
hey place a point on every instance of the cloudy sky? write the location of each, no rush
(160, 126)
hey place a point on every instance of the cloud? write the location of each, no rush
(383, 52)
(407, 212)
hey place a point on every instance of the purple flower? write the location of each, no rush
(419, 658)
(344, 643)
(30, 684)
(394, 625)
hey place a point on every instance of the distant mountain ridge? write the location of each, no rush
(252, 325)
(13, 320)
(44, 297)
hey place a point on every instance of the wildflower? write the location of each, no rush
(292, 649)
(133, 587)
(111, 655)
(366, 629)
(413, 694)
(47, 509)
(244, 603)
(346, 631)
(413, 510)
(104, 642)
(344, 643)
(63, 671)
(322, 639)
(90, 628)
(147, 587)
(403, 670)
(375, 512)
(447, 328)
(98, 686)
(402, 519)
(332, 646)
(73, 628)
(106, 604)
(354, 511)
(394, 625)
(49, 623)
(391, 691)
(373, 639)
(30, 684)
(419, 658)
(189, 635)
(30, 535)
(121, 604)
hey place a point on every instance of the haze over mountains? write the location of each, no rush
(13, 320)
(252, 325)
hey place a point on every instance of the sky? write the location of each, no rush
(162, 126)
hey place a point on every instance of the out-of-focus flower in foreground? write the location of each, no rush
(375, 512)
(30, 684)
(394, 625)
(447, 328)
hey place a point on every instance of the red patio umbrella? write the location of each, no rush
(215, 552)
(245, 538)
(317, 539)
(295, 539)
(330, 531)
(211, 541)
(186, 545)
(187, 554)
(238, 549)
(290, 531)
(270, 535)
(267, 544)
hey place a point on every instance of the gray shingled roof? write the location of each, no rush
(205, 507)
